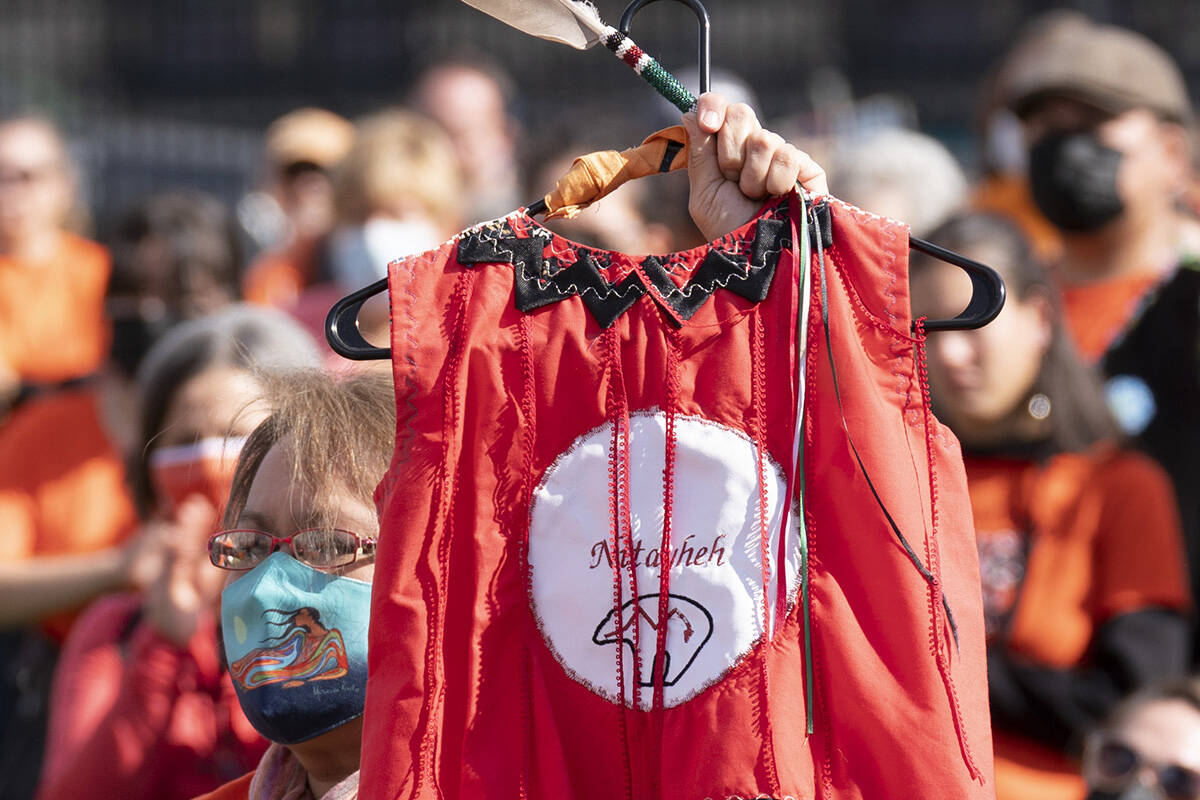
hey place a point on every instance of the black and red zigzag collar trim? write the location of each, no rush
(539, 280)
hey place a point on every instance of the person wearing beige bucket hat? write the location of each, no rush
(1105, 114)
(300, 150)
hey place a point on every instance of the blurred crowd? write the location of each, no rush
(133, 370)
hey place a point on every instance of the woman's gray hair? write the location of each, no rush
(239, 335)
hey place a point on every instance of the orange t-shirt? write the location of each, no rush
(1097, 313)
(52, 324)
(1009, 195)
(278, 278)
(1063, 547)
(62, 483)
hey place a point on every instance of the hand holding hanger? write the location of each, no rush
(734, 163)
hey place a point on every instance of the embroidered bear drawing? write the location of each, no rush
(689, 627)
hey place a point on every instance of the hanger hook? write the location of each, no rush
(987, 290)
(705, 37)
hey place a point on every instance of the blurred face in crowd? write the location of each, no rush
(305, 193)
(981, 378)
(1153, 155)
(219, 402)
(1153, 752)
(35, 184)
(470, 107)
(167, 288)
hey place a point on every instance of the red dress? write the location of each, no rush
(570, 421)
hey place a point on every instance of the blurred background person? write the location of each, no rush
(176, 256)
(309, 471)
(471, 98)
(398, 192)
(1105, 114)
(901, 174)
(52, 280)
(301, 149)
(68, 526)
(1003, 185)
(1148, 747)
(54, 455)
(1085, 593)
(141, 704)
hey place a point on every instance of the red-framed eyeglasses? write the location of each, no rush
(243, 548)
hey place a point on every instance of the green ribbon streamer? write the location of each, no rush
(805, 259)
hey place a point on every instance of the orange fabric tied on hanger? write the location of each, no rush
(599, 174)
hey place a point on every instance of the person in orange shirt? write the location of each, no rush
(1081, 556)
(52, 281)
(302, 147)
(61, 493)
(65, 511)
(1105, 115)
(67, 522)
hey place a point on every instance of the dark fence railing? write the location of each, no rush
(159, 93)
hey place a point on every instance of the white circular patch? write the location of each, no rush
(715, 610)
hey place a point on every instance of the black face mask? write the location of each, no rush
(1073, 178)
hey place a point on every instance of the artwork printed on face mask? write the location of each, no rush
(1073, 178)
(305, 651)
(296, 642)
(205, 468)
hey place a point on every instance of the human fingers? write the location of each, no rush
(811, 175)
(739, 123)
(790, 164)
(761, 149)
(710, 111)
(701, 142)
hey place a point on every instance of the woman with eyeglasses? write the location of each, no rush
(1149, 747)
(297, 544)
(142, 706)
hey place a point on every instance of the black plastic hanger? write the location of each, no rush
(987, 295)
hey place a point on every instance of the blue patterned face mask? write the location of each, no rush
(296, 641)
